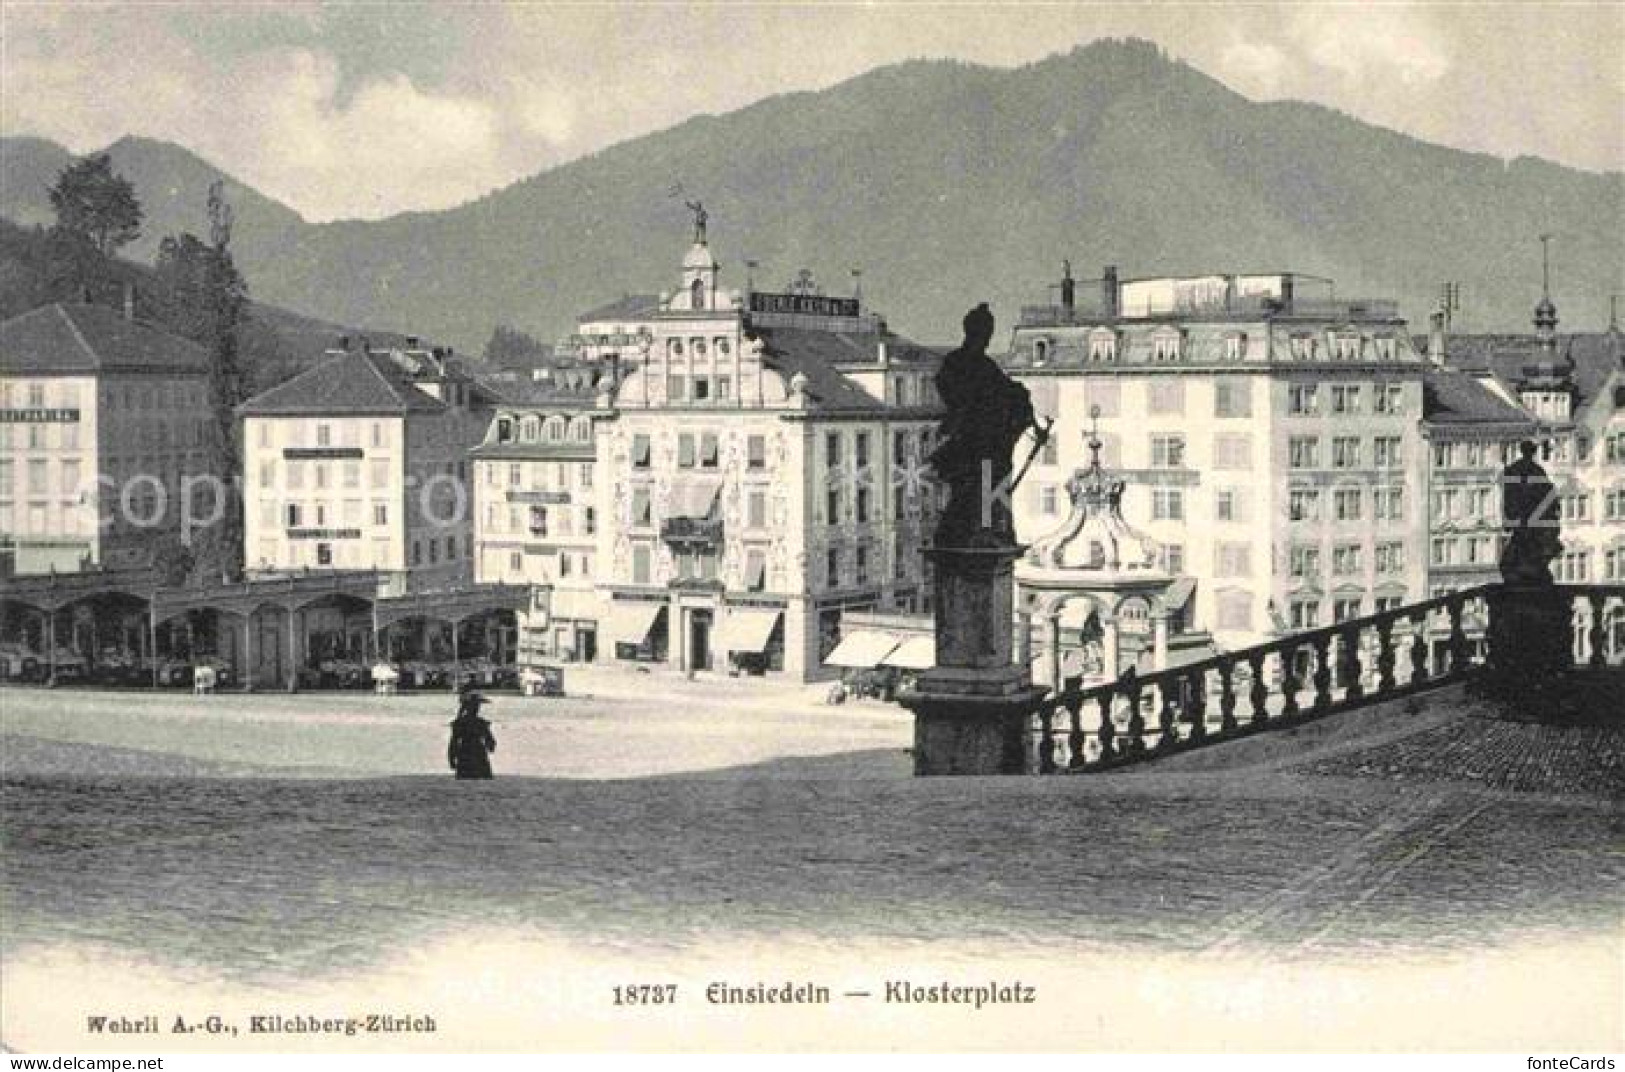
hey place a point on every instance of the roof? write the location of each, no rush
(80, 338)
(846, 348)
(354, 383)
(1450, 396)
(628, 307)
(827, 388)
(548, 393)
(1593, 355)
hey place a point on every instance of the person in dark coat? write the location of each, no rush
(469, 752)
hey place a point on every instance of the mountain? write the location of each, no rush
(948, 184)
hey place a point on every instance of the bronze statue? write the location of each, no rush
(987, 413)
(700, 216)
(1531, 520)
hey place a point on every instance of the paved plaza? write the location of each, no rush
(1279, 891)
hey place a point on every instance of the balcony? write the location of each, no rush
(692, 531)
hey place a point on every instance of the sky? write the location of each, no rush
(368, 110)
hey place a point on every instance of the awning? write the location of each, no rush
(862, 650)
(1179, 593)
(915, 653)
(749, 630)
(630, 623)
(696, 499)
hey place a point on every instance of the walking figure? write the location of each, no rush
(469, 752)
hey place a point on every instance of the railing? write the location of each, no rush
(1297, 678)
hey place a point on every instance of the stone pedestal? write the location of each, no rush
(1531, 654)
(971, 711)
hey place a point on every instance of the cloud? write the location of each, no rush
(1254, 67)
(1372, 43)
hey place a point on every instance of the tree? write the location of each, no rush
(205, 298)
(510, 346)
(97, 204)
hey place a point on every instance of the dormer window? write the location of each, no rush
(1235, 346)
(529, 429)
(504, 430)
(1386, 347)
(1166, 345)
(1345, 346)
(1041, 351)
(1102, 345)
(1304, 347)
(696, 294)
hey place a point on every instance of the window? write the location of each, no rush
(516, 562)
(1168, 504)
(1232, 399)
(584, 475)
(1346, 398)
(1305, 613)
(1390, 557)
(293, 515)
(1167, 452)
(1346, 610)
(1233, 452)
(589, 521)
(832, 450)
(708, 450)
(756, 510)
(675, 388)
(1346, 452)
(832, 567)
(861, 503)
(642, 514)
(640, 563)
(1235, 610)
(1051, 452)
(1444, 551)
(1346, 504)
(1165, 346)
(640, 451)
(1046, 500)
(685, 451)
(1303, 399)
(832, 504)
(1303, 452)
(1167, 396)
(1614, 505)
(756, 453)
(1102, 345)
(1388, 504)
(1388, 399)
(1232, 560)
(860, 564)
(538, 520)
(860, 449)
(1235, 347)
(1387, 452)
(702, 388)
(1303, 504)
(1226, 505)
(1304, 347)
(380, 513)
(1346, 347)
(1577, 507)
(1304, 562)
(755, 571)
(324, 554)
(296, 474)
(1574, 567)
(1346, 560)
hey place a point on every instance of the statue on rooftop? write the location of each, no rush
(987, 413)
(700, 216)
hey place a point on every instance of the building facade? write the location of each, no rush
(1274, 437)
(361, 462)
(753, 473)
(105, 423)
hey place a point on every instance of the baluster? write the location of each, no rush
(1074, 740)
(1599, 657)
(1385, 656)
(1419, 648)
(1323, 672)
(1108, 729)
(1134, 734)
(1227, 698)
(1259, 694)
(1046, 739)
(1289, 681)
(1458, 636)
(1196, 705)
(1167, 731)
(1349, 650)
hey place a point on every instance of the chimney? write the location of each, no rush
(1286, 291)
(1108, 292)
(129, 301)
(1436, 343)
(1069, 290)
(344, 344)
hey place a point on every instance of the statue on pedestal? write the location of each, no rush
(987, 413)
(1530, 516)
